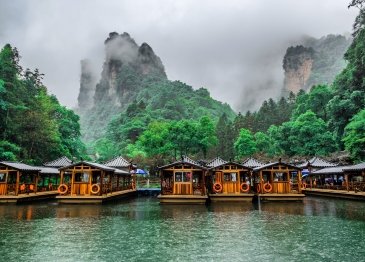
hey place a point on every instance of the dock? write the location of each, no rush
(182, 199)
(231, 197)
(334, 193)
(280, 197)
(31, 197)
(94, 199)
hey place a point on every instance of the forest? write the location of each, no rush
(168, 119)
(34, 128)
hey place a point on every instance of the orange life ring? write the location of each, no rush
(64, 187)
(245, 187)
(22, 187)
(304, 186)
(95, 191)
(258, 188)
(267, 187)
(217, 187)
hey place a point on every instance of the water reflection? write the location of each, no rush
(142, 229)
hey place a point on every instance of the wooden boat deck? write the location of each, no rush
(281, 197)
(344, 194)
(91, 199)
(182, 199)
(231, 197)
(31, 197)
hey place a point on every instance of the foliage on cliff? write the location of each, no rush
(314, 61)
(34, 126)
(134, 92)
(326, 119)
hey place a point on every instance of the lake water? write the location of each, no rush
(143, 230)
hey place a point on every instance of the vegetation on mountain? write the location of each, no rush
(34, 126)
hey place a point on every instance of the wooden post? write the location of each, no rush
(101, 182)
(61, 175)
(347, 182)
(300, 181)
(203, 182)
(17, 183)
(310, 181)
(261, 182)
(111, 176)
(271, 177)
(118, 183)
(72, 181)
(36, 183)
(90, 182)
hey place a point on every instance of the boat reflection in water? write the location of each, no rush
(142, 229)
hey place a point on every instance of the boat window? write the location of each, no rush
(2, 177)
(182, 176)
(82, 177)
(279, 176)
(230, 177)
(26, 178)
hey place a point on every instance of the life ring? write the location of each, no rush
(22, 187)
(304, 186)
(62, 189)
(267, 187)
(217, 187)
(245, 187)
(93, 190)
(258, 188)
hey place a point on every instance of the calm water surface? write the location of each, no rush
(142, 230)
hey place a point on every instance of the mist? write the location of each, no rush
(232, 48)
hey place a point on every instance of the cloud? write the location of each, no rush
(233, 48)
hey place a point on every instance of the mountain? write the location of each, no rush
(314, 61)
(133, 78)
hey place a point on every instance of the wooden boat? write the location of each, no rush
(229, 181)
(346, 182)
(92, 183)
(22, 183)
(278, 181)
(183, 182)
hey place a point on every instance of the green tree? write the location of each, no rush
(309, 136)
(354, 137)
(206, 135)
(225, 132)
(245, 144)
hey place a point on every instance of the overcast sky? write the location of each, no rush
(234, 48)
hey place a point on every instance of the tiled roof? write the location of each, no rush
(59, 162)
(358, 167)
(118, 162)
(100, 166)
(252, 162)
(20, 166)
(121, 172)
(48, 170)
(274, 164)
(329, 170)
(184, 160)
(317, 162)
(216, 162)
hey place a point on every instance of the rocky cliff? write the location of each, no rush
(314, 61)
(131, 76)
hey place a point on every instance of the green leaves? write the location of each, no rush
(354, 137)
(39, 128)
(245, 145)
